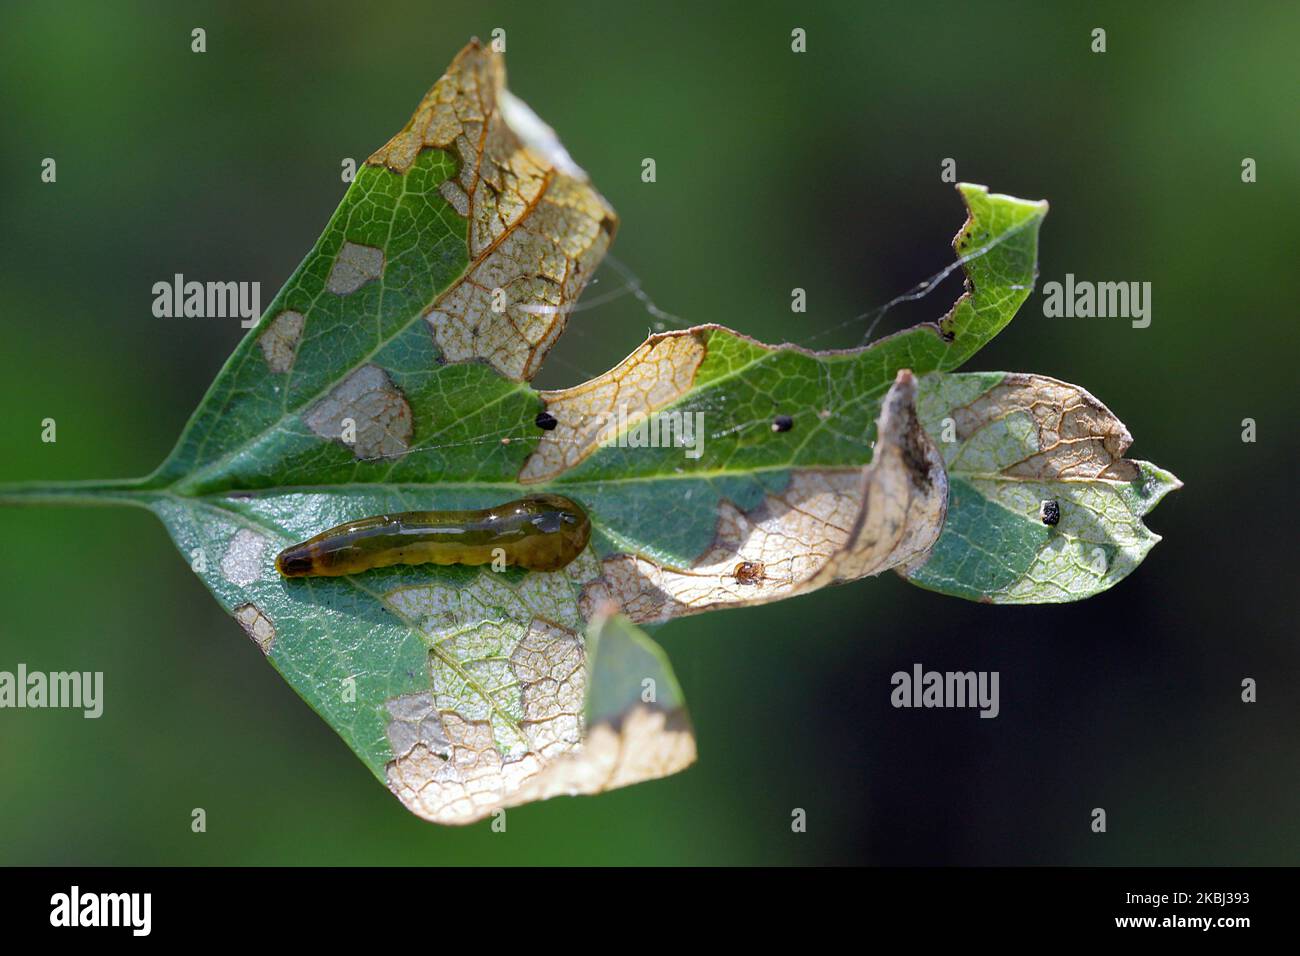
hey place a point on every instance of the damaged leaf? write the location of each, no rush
(635, 727)
(391, 374)
(1042, 505)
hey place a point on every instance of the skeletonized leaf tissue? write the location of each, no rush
(391, 374)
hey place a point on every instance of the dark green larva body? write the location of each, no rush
(540, 532)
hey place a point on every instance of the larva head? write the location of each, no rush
(295, 562)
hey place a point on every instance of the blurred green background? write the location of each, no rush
(775, 170)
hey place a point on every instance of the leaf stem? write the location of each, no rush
(125, 491)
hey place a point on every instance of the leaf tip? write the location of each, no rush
(977, 192)
(1152, 484)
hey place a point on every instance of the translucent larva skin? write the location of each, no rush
(540, 532)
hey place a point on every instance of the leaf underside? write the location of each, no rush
(391, 374)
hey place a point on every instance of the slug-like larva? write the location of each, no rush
(540, 532)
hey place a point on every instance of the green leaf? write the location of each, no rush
(391, 374)
(1010, 443)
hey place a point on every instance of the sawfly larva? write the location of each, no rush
(540, 533)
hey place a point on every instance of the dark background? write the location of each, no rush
(775, 170)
